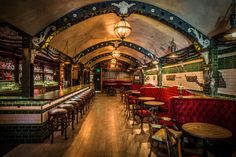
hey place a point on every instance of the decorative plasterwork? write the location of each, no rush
(44, 37)
(123, 7)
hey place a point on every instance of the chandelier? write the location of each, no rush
(116, 53)
(122, 29)
(113, 61)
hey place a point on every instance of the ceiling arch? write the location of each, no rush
(125, 64)
(111, 44)
(109, 54)
(125, 50)
(92, 10)
(148, 36)
(107, 58)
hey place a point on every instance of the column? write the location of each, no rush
(159, 75)
(211, 71)
(27, 69)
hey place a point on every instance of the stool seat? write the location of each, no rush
(57, 121)
(70, 112)
(66, 106)
(71, 102)
(57, 111)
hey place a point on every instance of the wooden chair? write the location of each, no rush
(169, 136)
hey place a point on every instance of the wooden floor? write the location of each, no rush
(104, 132)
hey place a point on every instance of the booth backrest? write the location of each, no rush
(136, 86)
(209, 110)
(162, 94)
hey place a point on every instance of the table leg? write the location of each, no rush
(205, 148)
(141, 127)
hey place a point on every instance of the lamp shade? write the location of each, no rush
(116, 54)
(122, 29)
(113, 61)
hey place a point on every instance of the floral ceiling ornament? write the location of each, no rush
(204, 42)
(123, 6)
(116, 43)
(38, 40)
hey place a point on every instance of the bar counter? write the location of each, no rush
(24, 120)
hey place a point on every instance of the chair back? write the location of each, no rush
(174, 149)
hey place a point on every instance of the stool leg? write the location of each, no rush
(52, 131)
(65, 127)
(77, 112)
(73, 117)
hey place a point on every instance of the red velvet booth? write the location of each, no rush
(139, 86)
(162, 94)
(199, 109)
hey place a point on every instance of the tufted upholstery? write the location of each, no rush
(162, 94)
(216, 111)
(135, 86)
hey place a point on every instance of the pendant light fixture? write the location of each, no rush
(122, 29)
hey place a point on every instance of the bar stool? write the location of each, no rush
(85, 100)
(81, 104)
(70, 113)
(76, 107)
(57, 121)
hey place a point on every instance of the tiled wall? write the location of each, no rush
(227, 73)
(187, 74)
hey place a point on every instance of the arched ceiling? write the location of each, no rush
(32, 16)
(146, 32)
(125, 50)
(109, 58)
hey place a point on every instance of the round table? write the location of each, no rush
(153, 103)
(135, 92)
(206, 131)
(144, 98)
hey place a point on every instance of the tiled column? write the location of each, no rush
(27, 69)
(211, 71)
(159, 75)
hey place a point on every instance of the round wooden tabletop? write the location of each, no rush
(206, 130)
(154, 103)
(110, 84)
(144, 98)
(135, 92)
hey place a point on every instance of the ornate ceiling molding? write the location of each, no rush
(121, 8)
(115, 43)
(109, 54)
